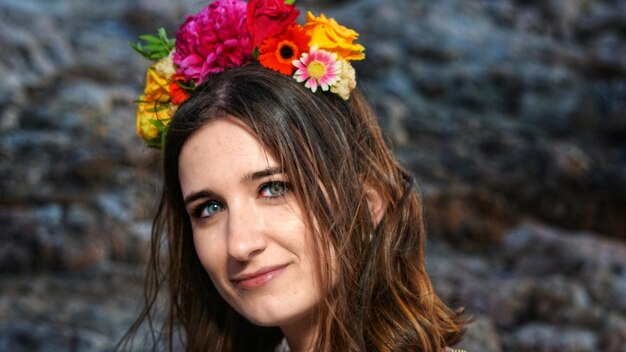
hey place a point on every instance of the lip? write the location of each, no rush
(258, 278)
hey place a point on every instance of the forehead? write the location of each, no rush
(228, 134)
(222, 150)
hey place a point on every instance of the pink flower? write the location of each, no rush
(213, 39)
(268, 18)
(318, 68)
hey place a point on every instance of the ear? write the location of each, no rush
(375, 203)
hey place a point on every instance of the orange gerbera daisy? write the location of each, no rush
(278, 53)
(177, 93)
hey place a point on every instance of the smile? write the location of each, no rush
(258, 278)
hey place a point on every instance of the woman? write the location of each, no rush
(286, 221)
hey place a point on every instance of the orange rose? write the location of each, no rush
(327, 34)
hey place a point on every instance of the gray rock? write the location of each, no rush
(548, 338)
(567, 302)
(539, 250)
(481, 335)
(614, 333)
(507, 302)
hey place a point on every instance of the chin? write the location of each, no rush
(275, 315)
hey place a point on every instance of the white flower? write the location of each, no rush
(347, 81)
(165, 66)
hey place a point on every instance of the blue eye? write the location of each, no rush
(208, 209)
(273, 189)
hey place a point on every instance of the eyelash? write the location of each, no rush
(267, 185)
(197, 211)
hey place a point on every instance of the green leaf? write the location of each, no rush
(159, 107)
(189, 86)
(159, 141)
(155, 142)
(255, 53)
(156, 56)
(158, 124)
(150, 38)
(290, 2)
(163, 135)
(163, 36)
(137, 48)
(154, 47)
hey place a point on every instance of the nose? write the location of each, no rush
(246, 232)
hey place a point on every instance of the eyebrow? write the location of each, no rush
(247, 178)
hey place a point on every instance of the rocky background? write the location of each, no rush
(511, 114)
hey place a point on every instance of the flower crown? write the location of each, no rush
(232, 33)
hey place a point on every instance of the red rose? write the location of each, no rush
(267, 18)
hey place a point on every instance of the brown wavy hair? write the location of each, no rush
(332, 151)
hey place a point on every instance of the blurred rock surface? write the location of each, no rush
(504, 110)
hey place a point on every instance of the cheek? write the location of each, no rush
(211, 252)
(298, 239)
(330, 267)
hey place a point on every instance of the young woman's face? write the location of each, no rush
(247, 227)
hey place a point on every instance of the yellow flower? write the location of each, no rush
(347, 81)
(331, 36)
(148, 112)
(157, 86)
(154, 105)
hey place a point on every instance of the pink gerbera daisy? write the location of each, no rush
(318, 67)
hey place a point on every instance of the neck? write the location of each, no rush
(301, 335)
